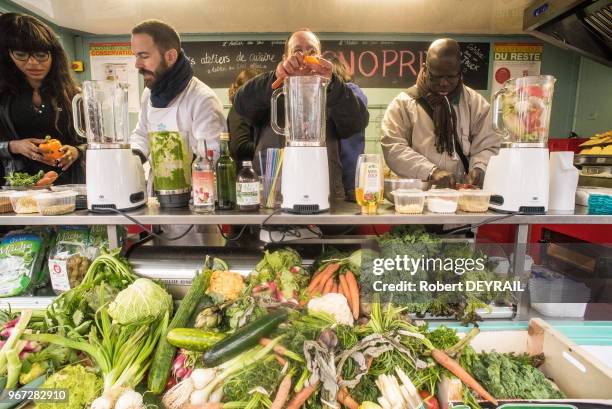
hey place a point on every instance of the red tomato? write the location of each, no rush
(535, 91)
(533, 121)
(430, 401)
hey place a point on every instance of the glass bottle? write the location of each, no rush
(226, 176)
(203, 181)
(247, 188)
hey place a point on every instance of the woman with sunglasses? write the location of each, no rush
(36, 91)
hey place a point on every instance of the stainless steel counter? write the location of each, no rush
(342, 213)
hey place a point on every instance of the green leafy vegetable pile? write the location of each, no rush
(513, 376)
(23, 179)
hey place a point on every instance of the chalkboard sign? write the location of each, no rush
(374, 64)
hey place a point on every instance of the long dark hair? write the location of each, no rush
(27, 33)
(241, 79)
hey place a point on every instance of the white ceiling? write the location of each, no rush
(268, 16)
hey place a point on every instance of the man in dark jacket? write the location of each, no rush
(346, 114)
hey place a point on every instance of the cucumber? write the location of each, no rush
(162, 361)
(193, 339)
(243, 339)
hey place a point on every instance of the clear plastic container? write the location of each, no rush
(474, 201)
(442, 201)
(24, 202)
(55, 203)
(5, 201)
(409, 201)
(80, 190)
(397, 184)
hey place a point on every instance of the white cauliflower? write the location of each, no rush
(334, 304)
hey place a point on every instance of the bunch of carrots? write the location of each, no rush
(330, 278)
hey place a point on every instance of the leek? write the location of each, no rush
(121, 352)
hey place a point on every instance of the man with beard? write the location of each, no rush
(440, 129)
(174, 100)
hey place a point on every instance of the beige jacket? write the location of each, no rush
(408, 139)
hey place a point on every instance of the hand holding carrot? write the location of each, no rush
(300, 64)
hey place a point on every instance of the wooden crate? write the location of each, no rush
(578, 374)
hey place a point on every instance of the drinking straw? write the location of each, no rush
(261, 168)
(273, 188)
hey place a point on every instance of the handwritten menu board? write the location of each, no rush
(374, 64)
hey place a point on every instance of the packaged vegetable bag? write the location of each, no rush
(74, 249)
(22, 255)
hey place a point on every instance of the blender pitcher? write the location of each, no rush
(104, 109)
(115, 176)
(525, 106)
(305, 152)
(305, 102)
(171, 158)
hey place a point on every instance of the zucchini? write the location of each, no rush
(164, 354)
(243, 339)
(193, 339)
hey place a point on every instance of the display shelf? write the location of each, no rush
(342, 213)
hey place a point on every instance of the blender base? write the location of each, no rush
(174, 200)
(305, 180)
(518, 180)
(115, 179)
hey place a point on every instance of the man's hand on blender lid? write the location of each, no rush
(442, 179)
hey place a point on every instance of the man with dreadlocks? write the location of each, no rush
(439, 129)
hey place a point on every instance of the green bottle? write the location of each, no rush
(226, 176)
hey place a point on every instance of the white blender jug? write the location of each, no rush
(305, 174)
(518, 176)
(115, 176)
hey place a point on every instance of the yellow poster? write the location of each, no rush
(512, 60)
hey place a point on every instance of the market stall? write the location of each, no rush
(314, 250)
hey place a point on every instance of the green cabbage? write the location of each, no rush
(142, 302)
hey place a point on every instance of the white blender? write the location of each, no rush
(305, 174)
(115, 176)
(518, 177)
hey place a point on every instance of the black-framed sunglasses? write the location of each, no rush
(40, 56)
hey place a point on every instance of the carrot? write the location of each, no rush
(370, 360)
(277, 83)
(279, 349)
(327, 272)
(354, 290)
(312, 59)
(329, 284)
(346, 399)
(334, 288)
(318, 290)
(281, 361)
(47, 179)
(456, 369)
(44, 182)
(302, 396)
(282, 393)
(344, 289)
